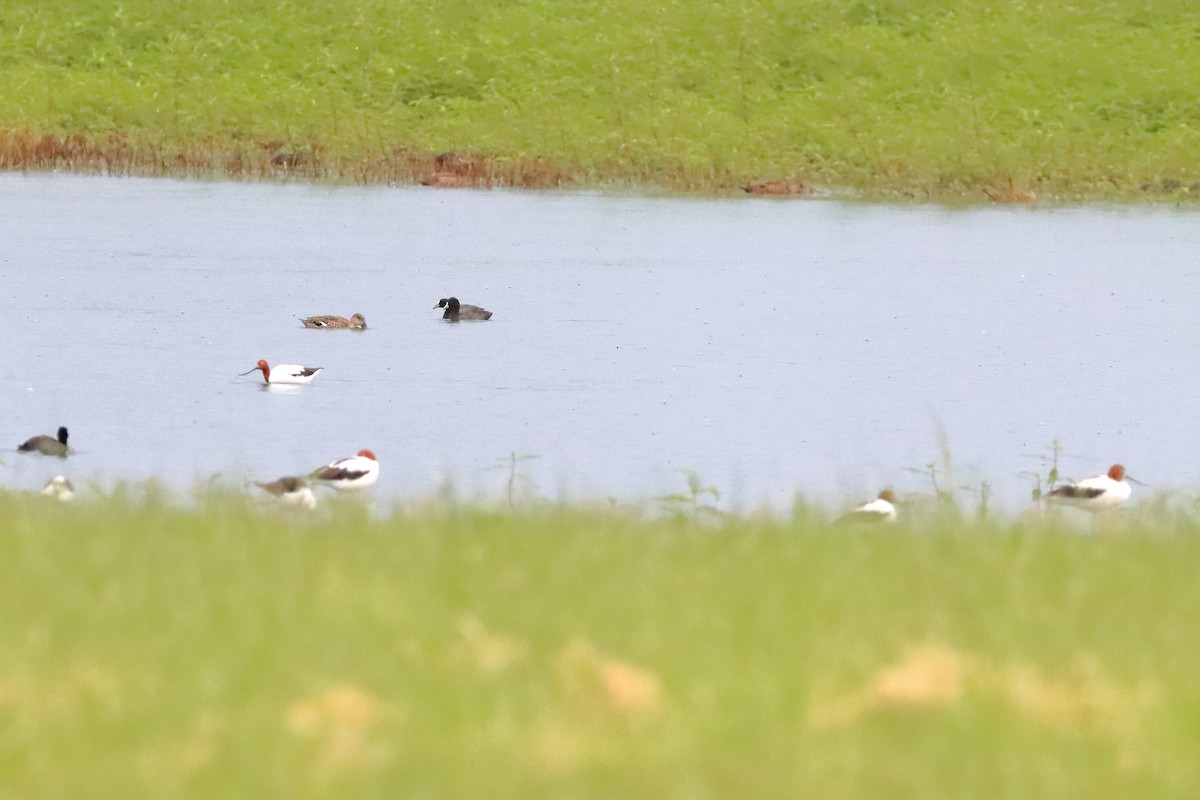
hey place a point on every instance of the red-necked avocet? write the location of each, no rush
(456, 310)
(1095, 494)
(357, 322)
(881, 509)
(284, 373)
(46, 445)
(291, 491)
(349, 474)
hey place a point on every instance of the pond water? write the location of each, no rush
(771, 347)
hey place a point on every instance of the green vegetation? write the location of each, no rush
(227, 650)
(924, 98)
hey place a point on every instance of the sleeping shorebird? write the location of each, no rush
(290, 491)
(46, 445)
(284, 373)
(349, 474)
(1095, 494)
(59, 488)
(456, 310)
(357, 322)
(881, 509)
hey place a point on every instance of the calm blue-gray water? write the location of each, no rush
(771, 347)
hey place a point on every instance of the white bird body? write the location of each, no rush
(60, 488)
(881, 509)
(285, 373)
(1096, 494)
(349, 474)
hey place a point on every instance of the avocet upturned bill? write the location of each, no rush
(284, 373)
(881, 509)
(349, 474)
(290, 490)
(1095, 494)
(357, 322)
(46, 445)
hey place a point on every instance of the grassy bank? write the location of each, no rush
(226, 651)
(923, 98)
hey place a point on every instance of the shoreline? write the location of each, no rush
(119, 155)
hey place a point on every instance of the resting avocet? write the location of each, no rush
(59, 487)
(284, 373)
(1095, 494)
(349, 474)
(357, 322)
(46, 445)
(881, 509)
(290, 490)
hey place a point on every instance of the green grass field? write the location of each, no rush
(224, 650)
(894, 98)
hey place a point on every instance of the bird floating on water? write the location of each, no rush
(456, 310)
(357, 322)
(1095, 494)
(881, 509)
(59, 488)
(47, 445)
(290, 491)
(349, 474)
(284, 373)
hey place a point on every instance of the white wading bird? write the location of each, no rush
(349, 474)
(881, 509)
(1096, 494)
(284, 373)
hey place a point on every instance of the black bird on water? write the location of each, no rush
(456, 310)
(46, 445)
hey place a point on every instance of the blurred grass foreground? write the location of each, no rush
(223, 649)
(941, 99)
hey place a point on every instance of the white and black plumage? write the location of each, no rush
(284, 373)
(349, 474)
(1095, 494)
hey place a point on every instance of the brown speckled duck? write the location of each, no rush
(356, 322)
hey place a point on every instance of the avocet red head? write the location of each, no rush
(881, 509)
(349, 474)
(284, 373)
(1095, 494)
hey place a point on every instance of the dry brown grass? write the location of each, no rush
(272, 159)
(1079, 698)
(341, 723)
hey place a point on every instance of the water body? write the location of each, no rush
(771, 347)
